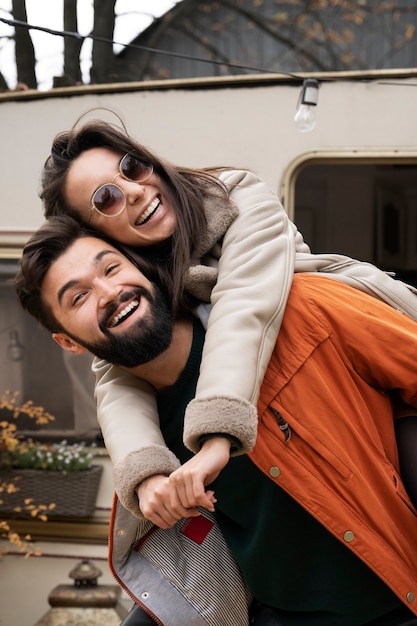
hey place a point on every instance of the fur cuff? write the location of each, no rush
(136, 467)
(221, 414)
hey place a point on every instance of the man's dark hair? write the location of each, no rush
(51, 241)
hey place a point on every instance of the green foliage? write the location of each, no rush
(58, 457)
(21, 453)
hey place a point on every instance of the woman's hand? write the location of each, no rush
(187, 484)
(165, 500)
(159, 505)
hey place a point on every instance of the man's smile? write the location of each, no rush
(124, 313)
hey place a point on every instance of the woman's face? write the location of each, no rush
(147, 218)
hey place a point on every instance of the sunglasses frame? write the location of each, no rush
(112, 183)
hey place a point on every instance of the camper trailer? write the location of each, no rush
(350, 184)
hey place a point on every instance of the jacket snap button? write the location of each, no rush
(349, 536)
(410, 596)
(274, 471)
(121, 532)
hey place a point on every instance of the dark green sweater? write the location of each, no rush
(288, 559)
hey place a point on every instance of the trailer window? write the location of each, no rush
(360, 207)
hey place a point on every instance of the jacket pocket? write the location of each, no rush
(301, 443)
(401, 492)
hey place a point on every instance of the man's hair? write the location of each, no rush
(41, 251)
(185, 189)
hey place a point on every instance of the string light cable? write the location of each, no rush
(305, 112)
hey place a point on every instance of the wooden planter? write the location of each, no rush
(73, 493)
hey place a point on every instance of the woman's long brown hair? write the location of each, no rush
(185, 188)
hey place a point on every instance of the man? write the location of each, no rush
(316, 515)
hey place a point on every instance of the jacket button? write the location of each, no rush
(120, 532)
(274, 471)
(349, 536)
(410, 597)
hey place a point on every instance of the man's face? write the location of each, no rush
(106, 305)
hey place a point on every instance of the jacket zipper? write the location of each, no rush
(126, 589)
(283, 425)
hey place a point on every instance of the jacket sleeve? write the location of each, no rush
(255, 272)
(128, 418)
(254, 278)
(363, 276)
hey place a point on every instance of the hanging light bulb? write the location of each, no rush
(305, 115)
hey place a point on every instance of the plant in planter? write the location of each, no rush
(44, 479)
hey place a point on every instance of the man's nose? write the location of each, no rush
(108, 291)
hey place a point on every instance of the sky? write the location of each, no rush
(133, 16)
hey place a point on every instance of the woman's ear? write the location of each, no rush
(68, 344)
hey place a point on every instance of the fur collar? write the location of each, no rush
(220, 213)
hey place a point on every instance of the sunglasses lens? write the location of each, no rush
(133, 169)
(109, 200)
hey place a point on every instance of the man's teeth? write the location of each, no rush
(149, 212)
(117, 318)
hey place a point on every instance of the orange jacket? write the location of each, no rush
(340, 462)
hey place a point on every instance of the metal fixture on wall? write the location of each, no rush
(15, 348)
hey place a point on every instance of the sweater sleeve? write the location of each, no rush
(255, 272)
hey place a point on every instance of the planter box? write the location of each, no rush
(73, 493)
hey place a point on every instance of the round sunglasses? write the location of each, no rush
(109, 199)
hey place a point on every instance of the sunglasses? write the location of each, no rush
(109, 199)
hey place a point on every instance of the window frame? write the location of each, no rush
(337, 157)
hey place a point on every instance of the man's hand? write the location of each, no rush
(187, 483)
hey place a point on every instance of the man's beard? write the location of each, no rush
(144, 341)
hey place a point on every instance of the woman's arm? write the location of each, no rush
(255, 272)
(128, 418)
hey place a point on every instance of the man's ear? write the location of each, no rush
(68, 344)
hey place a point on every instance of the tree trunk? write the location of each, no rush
(72, 46)
(3, 84)
(25, 53)
(103, 56)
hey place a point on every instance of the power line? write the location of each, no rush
(66, 33)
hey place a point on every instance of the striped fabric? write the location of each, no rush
(195, 559)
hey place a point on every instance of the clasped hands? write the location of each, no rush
(166, 499)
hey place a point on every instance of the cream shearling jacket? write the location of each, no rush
(248, 259)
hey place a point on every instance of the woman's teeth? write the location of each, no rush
(149, 212)
(120, 316)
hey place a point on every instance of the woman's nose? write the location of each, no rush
(132, 189)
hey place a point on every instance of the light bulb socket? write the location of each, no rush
(310, 92)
